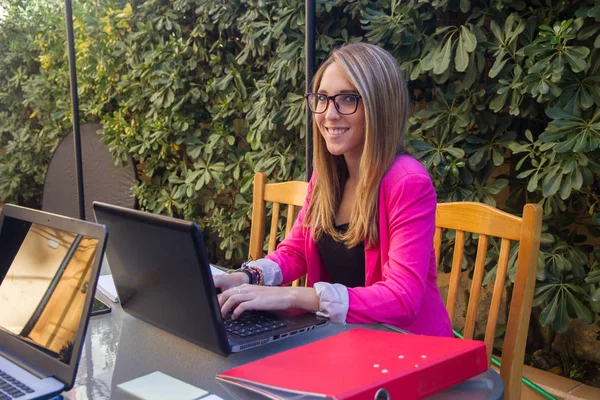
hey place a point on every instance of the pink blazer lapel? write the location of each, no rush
(376, 256)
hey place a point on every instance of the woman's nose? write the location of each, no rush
(332, 112)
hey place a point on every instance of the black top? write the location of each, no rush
(344, 265)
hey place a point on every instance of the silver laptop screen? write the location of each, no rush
(44, 276)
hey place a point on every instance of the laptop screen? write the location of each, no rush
(44, 277)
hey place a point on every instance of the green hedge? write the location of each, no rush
(201, 94)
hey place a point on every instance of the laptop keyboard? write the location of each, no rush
(252, 323)
(10, 388)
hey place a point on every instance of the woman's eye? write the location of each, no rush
(348, 99)
(321, 98)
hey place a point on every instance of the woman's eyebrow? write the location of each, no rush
(343, 91)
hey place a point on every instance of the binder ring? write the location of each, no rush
(382, 394)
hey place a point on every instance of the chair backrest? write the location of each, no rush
(488, 221)
(290, 194)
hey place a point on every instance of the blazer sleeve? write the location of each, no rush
(290, 254)
(410, 205)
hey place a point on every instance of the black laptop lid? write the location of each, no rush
(49, 265)
(162, 275)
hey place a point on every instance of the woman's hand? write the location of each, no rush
(227, 281)
(253, 297)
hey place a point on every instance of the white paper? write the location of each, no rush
(106, 286)
(215, 270)
(212, 397)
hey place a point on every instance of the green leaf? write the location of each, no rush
(551, 184)
(561, 320)
(533, 182)
(442, 59)
(596, 295)
(468, 38)
(549, 312)
(496, 31)
(576, 59)
(461, 58)
(542, 294)
(583, 313)
(588, 32)
(559, 113)
(465, 5)
(567, 145)
(455, 152)
(497, 67)
(498, 102)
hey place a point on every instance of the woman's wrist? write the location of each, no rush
(240, 278)
(305, 298)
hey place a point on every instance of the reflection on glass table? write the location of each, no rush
(120, 348)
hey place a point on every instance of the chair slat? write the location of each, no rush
(274, 225)
(291, 212)
(459, 245)
(437, 244)
(482, 246)
(490, 331)
(515, 339)
(257, 229)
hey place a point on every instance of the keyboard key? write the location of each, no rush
(252, 323)
(11, 388)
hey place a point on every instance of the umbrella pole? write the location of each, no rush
(75, 108)
(309, 44)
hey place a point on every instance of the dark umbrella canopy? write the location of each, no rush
(310, 66)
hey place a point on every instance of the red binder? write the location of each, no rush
(358, 363)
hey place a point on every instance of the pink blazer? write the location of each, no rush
(400, 271)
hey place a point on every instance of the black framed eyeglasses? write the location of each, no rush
(345, 103)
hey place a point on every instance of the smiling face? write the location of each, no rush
(343, 134)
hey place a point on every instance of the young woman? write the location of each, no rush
(364, 236)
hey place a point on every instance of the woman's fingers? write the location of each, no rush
(227, 281)
(251, 297)
(243, 306)
(231, 298)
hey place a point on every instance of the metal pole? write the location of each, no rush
(75, 108)
(309, 43)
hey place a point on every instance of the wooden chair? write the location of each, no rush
(291, 194)
(488, 221)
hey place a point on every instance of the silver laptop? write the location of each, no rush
(49, 265)
(162, 275)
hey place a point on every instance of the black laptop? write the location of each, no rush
(162, 275)
(49, 265)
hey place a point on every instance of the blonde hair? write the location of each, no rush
(378, 79)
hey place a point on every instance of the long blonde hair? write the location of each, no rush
(378, 79)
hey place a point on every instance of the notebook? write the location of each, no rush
(162, 275)
(49, 265)
(361, 364)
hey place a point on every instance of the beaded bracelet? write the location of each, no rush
(255, 272)
(258, 274)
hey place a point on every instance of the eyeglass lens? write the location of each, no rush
(344, 103)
